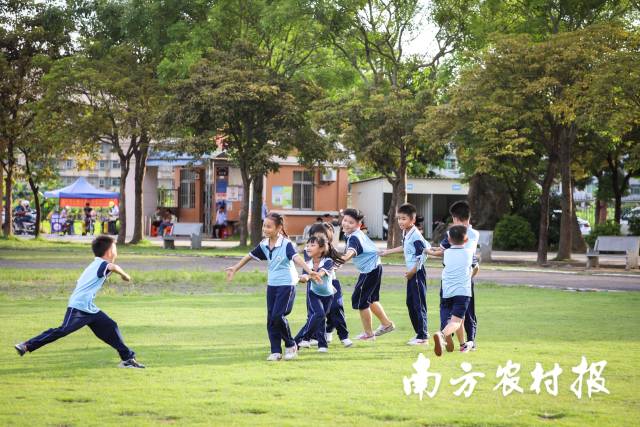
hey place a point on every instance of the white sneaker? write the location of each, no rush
(274, 357)
(290, 353)
(304, 344)
(347, 342)
(384, 329)
(313, 343)
(323, 350)
(418, 341)
(328, 336)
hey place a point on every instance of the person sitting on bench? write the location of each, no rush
(221, 223)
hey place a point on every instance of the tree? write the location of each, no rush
(259, 115)
(110, 98)
(514, 112)
(372, 37)
(31, 33)
(608, 106)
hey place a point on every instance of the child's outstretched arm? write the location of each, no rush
(118, 270)
(410, 273)
(231, 271)
(434, 251)
(385, 252)
(297, 260)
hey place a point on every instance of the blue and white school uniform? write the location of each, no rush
(336, 318)
(471, 245)
(319, 299)
(456, 283)
(414, 244)
(282, 278)
(82, 311)
(367, 261)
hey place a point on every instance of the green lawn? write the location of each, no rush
(206, 361)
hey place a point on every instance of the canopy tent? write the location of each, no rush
(81, 192)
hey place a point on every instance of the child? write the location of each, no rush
(322, 258)
(413, 245)
(335, 318)
(81, 310)
(456, 289)
(461, 215)
(282, 257)
(366, 294)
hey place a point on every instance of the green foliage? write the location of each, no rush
(634, 225)
(513, 232)
(609, 228)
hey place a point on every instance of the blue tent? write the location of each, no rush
(80, 192)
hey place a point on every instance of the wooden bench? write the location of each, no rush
(193, 230)
(626, 246)
(485, 245)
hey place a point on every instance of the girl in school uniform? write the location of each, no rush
(366, 294)
(281, 256)
(323, 259)
(336, 318)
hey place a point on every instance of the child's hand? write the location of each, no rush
(231, 271)
(409, 274)
(126, 277)
(304, 278)
(382, 252)
(315, 276)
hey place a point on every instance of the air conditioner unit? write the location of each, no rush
(330, 175)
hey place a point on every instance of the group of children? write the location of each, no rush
(324, 300)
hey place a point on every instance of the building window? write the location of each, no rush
(115, 182)
(635, 190)
(102, 164)
(102, 182)
(68, 164)
(115, 164)
(187, 188)
(303, 189)
(106, 148)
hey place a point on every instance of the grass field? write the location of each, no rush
(206, 353)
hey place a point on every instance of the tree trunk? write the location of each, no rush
(566, 220)
(124, 172)
(544, 212)
(488, 201)
(244, 212)
(8, 213)
(140, 159)
(398, 197)
(36, 201)
(256, 210)
(578, 244)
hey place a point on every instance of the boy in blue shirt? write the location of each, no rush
(460, 213)
(81, 310)
(413, 245)
(456, 289)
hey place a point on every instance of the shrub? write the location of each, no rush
(609, 228)
(634, 225)
(513, 232)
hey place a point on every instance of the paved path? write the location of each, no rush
(608, 279)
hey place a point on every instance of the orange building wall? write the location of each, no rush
(328, 196)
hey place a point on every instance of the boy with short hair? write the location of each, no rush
(413, 245)
(460, 213)
(456, 289)
(81, 310)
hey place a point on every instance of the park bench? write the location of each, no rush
(485, 245)
(193, 230)
(625, 246)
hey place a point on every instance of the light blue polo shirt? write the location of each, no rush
(366, 258)
(473, 237)
(282, 270)
(413, 245)
(88, 285)
(456, 274)
(325, 288)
